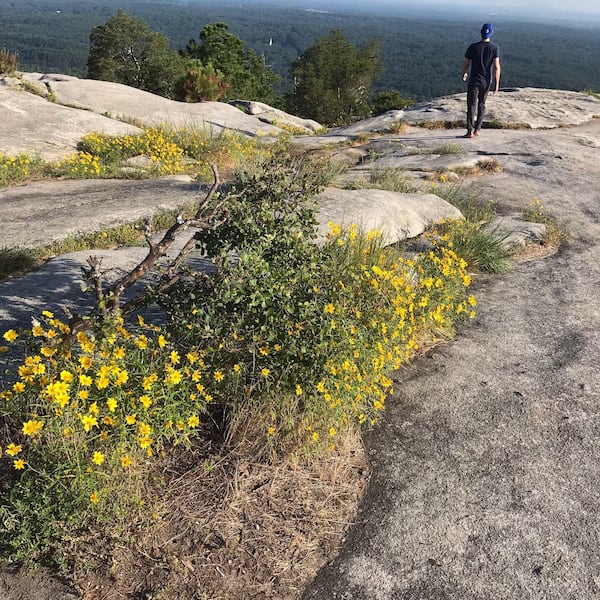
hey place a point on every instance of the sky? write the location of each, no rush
(575, 11)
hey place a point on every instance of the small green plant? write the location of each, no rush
(482, 167)
(536, 213)
(16, 260)
(397, 127)
(361, 138)
(15, 169)
(393, 180)
(483, 250)
(448, 148)
(470, 204)
(591, 92)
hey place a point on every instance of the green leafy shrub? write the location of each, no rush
(203, 82)
(390, 100)
(536, 213)
(307, 332)
(288, 343)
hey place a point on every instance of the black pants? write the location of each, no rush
(476, 94)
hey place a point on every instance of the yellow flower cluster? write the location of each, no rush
(107, 401)
(81, 165)
(166, 156)
(386, 308)
(14, 168)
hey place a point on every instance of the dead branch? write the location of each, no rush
(110, 301)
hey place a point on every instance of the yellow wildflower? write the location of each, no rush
(32, 427)
(98, 458)
(85, 362)
(13, 449)
(66, 376)
(88, 421)
(146, 401)
(10, 336)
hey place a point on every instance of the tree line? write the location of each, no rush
(333, 78)
(418, 59)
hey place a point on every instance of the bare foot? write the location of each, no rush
(469, 135)
(475, 134)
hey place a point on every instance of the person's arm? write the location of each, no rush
(497, 73)
(465, 69)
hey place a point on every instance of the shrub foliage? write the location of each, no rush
(286, 342)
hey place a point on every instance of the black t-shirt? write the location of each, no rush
(482, 55)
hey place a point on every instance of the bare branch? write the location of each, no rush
(110, 301)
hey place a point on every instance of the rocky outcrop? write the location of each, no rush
(529, 108)
(274, 116)
(130, 104)
(29, 122)
(397, 216)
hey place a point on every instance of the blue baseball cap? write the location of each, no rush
(487, 30)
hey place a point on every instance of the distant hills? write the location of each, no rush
(422, 56)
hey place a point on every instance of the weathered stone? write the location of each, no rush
(532, 108)
(129, 104)
(398, 216)
(513, 230)
(29, 123)
(277, 117)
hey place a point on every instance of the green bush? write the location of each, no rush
(287, 342)
(390, 100)
(306, 333)
(203, 82)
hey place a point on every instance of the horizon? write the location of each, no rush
(581, 13)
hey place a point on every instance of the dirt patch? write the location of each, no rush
(231, 528)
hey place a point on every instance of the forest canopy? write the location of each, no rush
(54, 36)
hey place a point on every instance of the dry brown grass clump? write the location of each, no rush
(486, 166)
(235, 529)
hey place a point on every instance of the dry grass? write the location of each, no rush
(486, 166)
(236, 529)
(441, 124)
(536, 252)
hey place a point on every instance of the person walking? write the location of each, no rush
(482, 59)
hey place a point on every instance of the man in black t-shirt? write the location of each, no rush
(483, 59)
